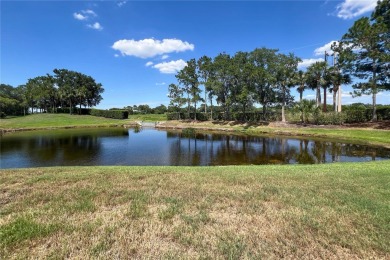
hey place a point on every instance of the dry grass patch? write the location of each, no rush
(250, 212)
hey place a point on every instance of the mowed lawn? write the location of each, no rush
(56, 120)
(36, 121)
(329, 211)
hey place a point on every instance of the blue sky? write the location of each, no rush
(134, 47)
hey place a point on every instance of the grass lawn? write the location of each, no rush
(36, 121)
(57, 120)
(325, 211)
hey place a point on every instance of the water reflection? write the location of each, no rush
(214, 149)
(56, 148)
(116, 146)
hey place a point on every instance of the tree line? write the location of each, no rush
(64, 89)
(265, 76)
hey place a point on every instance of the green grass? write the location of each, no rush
(236, 212)
(148, 117)
(370, 136)
(39, 121)
(357, 135)
(57, 120)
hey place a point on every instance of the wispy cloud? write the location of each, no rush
(352, 8)
(121, 3)
(88, 15)
(148, 48)
(170, 67)
(160, 84)
(164, 57)
(79, 16)
(84, 15)
(95, 26)
(149, 63)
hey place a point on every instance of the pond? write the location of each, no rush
(119, 146)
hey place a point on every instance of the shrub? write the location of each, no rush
(184, 116)
(66, 110)
(116, 114)
(330, 118)
(356, 115)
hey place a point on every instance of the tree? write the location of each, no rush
(161, 109)
(10, 100)
(77, 89)
(42, 92)
(366, 51)
(305, 107)
(175, 93)
(300, 81)
(285, 78)
(337, 77)
(315, 77)
(242, 85)
(205, 71)
(222, 82)
(189, 78)
(263, 76)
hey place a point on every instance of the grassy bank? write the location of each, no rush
(148, 117)
(359, 135)
(39, 121)
(252, 212)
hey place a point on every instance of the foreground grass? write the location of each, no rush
(250, 212)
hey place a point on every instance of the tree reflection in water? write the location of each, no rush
(217, 149)
(147, 146)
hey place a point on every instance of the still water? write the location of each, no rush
(118, 146)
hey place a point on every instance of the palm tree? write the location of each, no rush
(306, 107)
(337, 78)
(315, 75)
(301, 82)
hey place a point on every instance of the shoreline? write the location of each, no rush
(276, 128)
(13, 130)
(357, 133)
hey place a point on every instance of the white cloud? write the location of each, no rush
(95, 26)
(84, 15)
(89, 12)
(148, 48)
(353, 8)
(149, 63)
(160, 84)
(116, 55)
(121, 3)
(164, 57)
(79, 16)
(321, 50)
(170, 67)
(307, 62)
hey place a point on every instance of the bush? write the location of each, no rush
(116, 114)
(184, 116)
(356, 115)
(330, 118)
(66, 110)
(2, 114)
(383, 113)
